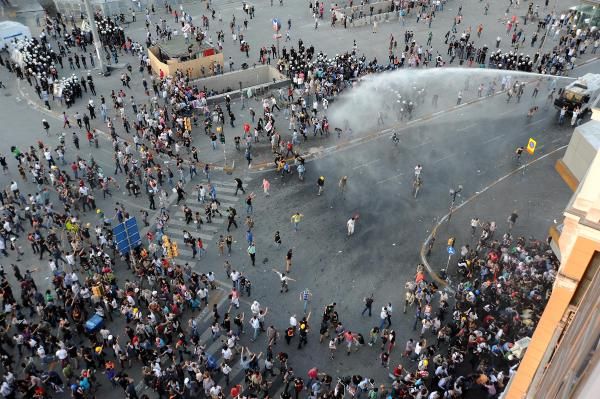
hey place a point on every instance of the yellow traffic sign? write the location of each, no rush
(531, 146)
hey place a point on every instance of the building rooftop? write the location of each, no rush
(177, 47)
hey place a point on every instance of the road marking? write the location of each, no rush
(493, 139)
(536, 122)
(366, 163)
(420, 145)
(467, 127)
(132, 204)
(389, 178)
(441, 159)
(443, 219)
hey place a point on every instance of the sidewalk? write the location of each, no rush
(262, 156)
(539, 206)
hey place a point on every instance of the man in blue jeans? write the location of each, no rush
(305, 297)
(368, 305)
(383, 316)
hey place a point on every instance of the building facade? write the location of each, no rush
(561, 360)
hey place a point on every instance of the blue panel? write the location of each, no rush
(131, 223)
(118, 228)
(120, 236)
(123, 247)
(127, 235)
(135, 240)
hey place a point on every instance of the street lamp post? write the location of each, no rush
(97, 44)
(276, 29)
(453, 194)
(242, 95)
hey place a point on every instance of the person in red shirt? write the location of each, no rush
(236, 391)
(74, 168)
(200, 245)
(313, 374)
(398, 370)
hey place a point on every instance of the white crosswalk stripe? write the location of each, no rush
(204, 320)
(176, 225)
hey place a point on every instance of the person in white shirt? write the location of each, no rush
(62, 354)
(350, 225)
(226, 370)
(235, 278)
(255, 308)
(255, 323)
(70, 257)
(41, 352)
(418, 170)
(14, 188)
(293, 322)
(6, 390)
(201, 194)
(227, 354)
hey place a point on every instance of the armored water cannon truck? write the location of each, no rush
(580, 93)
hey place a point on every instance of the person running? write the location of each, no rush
(350, 226)
(417, 182)
(518, 153)
(512, 219)
(320, 185)
(277, 239)
(296, 219)
(288, 261)
(368, 301)
(342, 186)
(332, 347)
(46, 126)
(532, 112)
(418, 170)
(239, 186)
(252, 253)
(305, 297)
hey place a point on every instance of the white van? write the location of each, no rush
(10, 30)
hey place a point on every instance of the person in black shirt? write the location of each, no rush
(239, 186)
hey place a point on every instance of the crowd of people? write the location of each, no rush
(65, 338)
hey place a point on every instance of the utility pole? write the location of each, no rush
(242, 96)
(56, 6)
(97, 44)
(453, 194)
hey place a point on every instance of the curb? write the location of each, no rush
(422, 251)
(443, 219)
(55, 115)
(257, 168)
(260, 167)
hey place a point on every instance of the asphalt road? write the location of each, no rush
(472, 145)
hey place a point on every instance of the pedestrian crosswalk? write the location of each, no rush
(208, 232)
(213, 345)
(226, 195)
